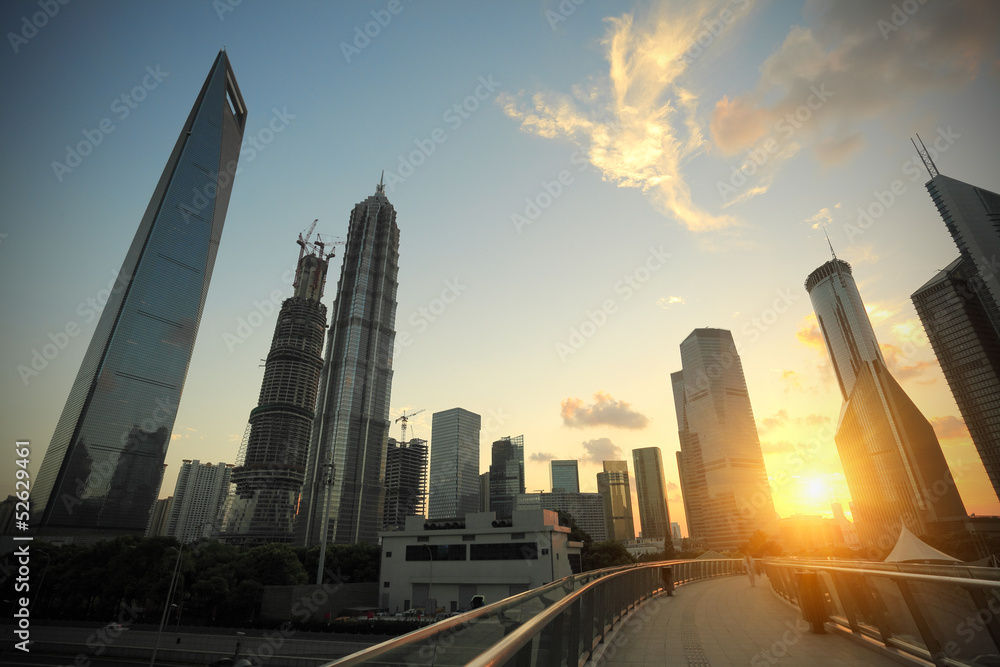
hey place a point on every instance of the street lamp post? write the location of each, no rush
(166, 605)
(430, 578)
(325, 525)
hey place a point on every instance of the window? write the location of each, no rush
(388, 554)
(385, 585)
(505, 551)
(419, 552)
(517, 536)
(468, 538)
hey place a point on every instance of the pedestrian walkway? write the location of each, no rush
(723, 621)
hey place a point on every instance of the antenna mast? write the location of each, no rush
(925, 156)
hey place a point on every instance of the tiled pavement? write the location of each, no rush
(724, 621)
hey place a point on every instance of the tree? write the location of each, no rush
(760, 544)
(598, 555)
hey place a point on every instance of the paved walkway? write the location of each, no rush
(723, 622)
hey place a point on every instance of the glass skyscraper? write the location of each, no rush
(892, 459)
(344, 503)
(651, 489)
(614, 487)
(506, 474)
(723, 480)
(405, 482)
(960, 313)
(565, 475)
(454, 477)
(271, 464)
(102, 471)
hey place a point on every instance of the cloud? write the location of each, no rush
(638, 123)
(779, 447)
(877, 313)
(949, 427)
(822, 217)
(809, 333)
(791, 380)
(601, 450)
(896, 361)
(668, 301)
(779, 419)
(671, 486)
(541, 457)
(605, 411)
(829, 78)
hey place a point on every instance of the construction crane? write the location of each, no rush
(304, 241)
(405, 418)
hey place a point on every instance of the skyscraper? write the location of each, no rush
(614, 487)
(344, 503)
(565, 476)
(102, 471)
(405, 482)
(271, 464)
(651, 487)
(454, 487)
(506, 474)
(726, 494)
(587, 509)
(953, 307)
(960, 310)
(891, 457)
(199, 496)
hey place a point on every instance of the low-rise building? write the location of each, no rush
(441, 565)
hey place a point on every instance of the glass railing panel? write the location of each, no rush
(957, 622)
(895, 611)
(831, 597)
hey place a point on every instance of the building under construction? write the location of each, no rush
(405, 482)
(271, 465)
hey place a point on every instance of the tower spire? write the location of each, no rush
(925, 156)
(380, 188)
(829, 243)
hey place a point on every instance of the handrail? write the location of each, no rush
(891, 574)
(613, 600)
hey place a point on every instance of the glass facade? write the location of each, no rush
(723, 480)
(506, 474)
(952, 307)
(892, 460)
(565, 476)
(614, 487)
(351, 428)
(102, 471)
(454, 477)
(651, 488)
(405, 482)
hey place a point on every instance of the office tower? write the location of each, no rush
(405, 482)
(565, 476)
(271, 463)
(506, 474)
(675, 530)
(613, 485)
(726, 494)
(198, 500)
(454, 487)
(587, 509)
(953, 309)
(651, 488)
(158, 520)
(102, 471)
(960, 313)
(892, 460)
(343, 493)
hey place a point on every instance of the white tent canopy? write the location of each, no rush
(910, 548)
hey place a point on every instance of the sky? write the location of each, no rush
(578, 186)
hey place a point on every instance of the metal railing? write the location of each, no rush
(949, 618)
(557, 624)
